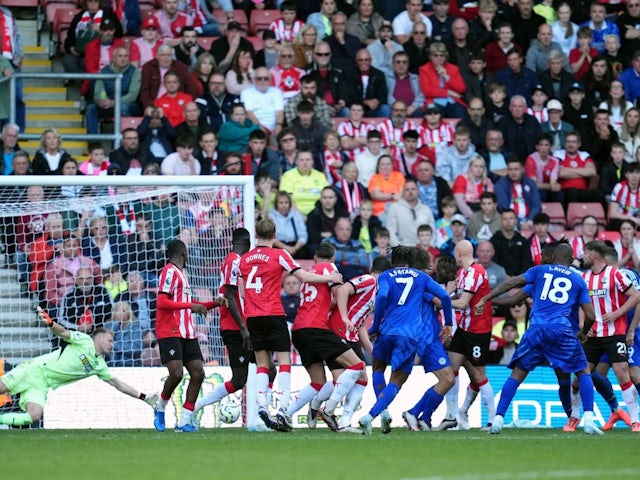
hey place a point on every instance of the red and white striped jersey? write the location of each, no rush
(391, 135)
(518, 203)
(359, 306)
(348, 129)
(287, 80)
(179, 322)
(474, 280)
(577, 244)
(315, 300)
(261, 269)
(607, 291)
(628, 201)
(229, 275)
(540, 115)
(284, 34)
(433, 141)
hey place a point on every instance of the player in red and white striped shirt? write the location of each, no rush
(353, 132)
(608, 288)
(176, 335)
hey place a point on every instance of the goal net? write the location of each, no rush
(89, 250)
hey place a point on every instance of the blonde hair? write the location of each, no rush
(126, 308)
(55, 133)
(478, 158)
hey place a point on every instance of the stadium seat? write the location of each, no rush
(451, 121)
(577, 211)
(130, 122)
(556, 214)
(60, 26)
(20, 3)
(205, 42)
(261, 19)
(238, 16)
(256, 41)
(610, 235)
(50, 7)
(146, 10)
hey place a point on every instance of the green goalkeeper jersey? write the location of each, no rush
(76, 361)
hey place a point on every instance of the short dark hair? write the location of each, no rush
(411, 133)
(174, 248)
(541, 219)
(95, 146)
(325, 251)
(490, 196)
(186, 140)
(305, 106)
(258, 134)
(380, 264)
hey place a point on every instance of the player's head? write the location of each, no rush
(563, 254)
(241, 239)
(266, 229)
(380, 264)
(421, 260)
(611, 256)
(103, 340)
(446, 269)
(401, 255)
(325, 252)
(593, 251)
(176, 249)
(463, 251)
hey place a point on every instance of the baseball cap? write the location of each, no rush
(150, 22)
(268, 34)
(554, 105)
(233, 25)
(432, 107)
(385, 24)
(576, 86)
(107, 24)
(537, 87)
(458, 217)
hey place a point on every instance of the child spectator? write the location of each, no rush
(614, 169)
(625, 199)
(98, 163)
(543, 168)
(537, 108)
(368, 160)
(287, 26)
(425, 241)
(127, 337)
(382, 239)
(114, 282)
(497, 107)
(581, 56)
(331, 159)
(365, 225)
(182, 162)
(443, 224)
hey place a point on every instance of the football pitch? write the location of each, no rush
(308, 455)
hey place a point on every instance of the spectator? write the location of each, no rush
(144, 253)
(351, 258)
(404, 86)
(331, 159)
(598, 78)
(263, 160)
(365, 22)
(625, 204)
(538, 101)
(155, 70)
(351, 191)
(332, 85)
(321, 20)
(477, 124)
(141, 299)
(403, 22)
(484, 27)
(382, 241)
(540, 49)
(127, 337)
(145, 48)
(417, 47)
(290, 296)
(205, 65)
(264, 103)
(291, 229)
(626, 23)
(287, 150)
(268, 56)
(385, 186)
(308, 129)
(581, 57)
(459, 233)
(436, 135)
(518, 193)
(628, 247)
(520, 130)
(188, 50)
(215, 106)
(441, 21)
(495, 53)
(104, 249)
(469, 186)
(432, 189)
(367, 161)
(543, 169)
(616, 103)
(234, 135)
(32, 258)
(441, 82)
(60, 273)
(150, 356)
(394, 128)
(459, 47)
(425, 241)
(495, 273)
(224, 48)
(600, 26)
(104, 91)
(555, 127)
(577, 111)
(182, 162)
(555, 79)
(369, 85)
(518, 79)
(304, 183)
(539, 238)
(321, 221)
(484, 223)
(50, 155)
(304, 45)
(617, 60)
(309, 93)
(353, 131)
(630, 133)
(99, 53)
(365, 226)
(507, 344)
(285, 76)
(443, 224)
(171, 22)
(383, 49)
(406, 215)
(456, 158)
(577, 168)
(129, 157)
(527, 21)
(600, 137)
(287, 26)
(173, 100)
(410, 158)
(192, 123)
(565, 32)
(497, 107)
(510, 245)
(477, 79)
(8, 146)
(613, 170)
(343, 45)
(156, 134)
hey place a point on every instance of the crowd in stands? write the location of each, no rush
(368, 124)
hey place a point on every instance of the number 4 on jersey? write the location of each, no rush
(253, 282)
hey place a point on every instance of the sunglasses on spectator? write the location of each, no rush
(262, 79)
(323, 54)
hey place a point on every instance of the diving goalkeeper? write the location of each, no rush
(81, 357)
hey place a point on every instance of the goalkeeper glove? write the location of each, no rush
(44, 317)
(150, 399)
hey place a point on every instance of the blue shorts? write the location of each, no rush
(555, 343)
(397, 351)
(634, 352)
(434, 357)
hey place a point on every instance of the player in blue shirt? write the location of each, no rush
(558, 293)
(397, 323)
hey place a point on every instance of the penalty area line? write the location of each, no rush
(535, 475)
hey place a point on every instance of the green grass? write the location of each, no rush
(309, 455)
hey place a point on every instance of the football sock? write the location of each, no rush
(218, 393)
(344, 384)
(508, 392)
(605, 389)
(488, 400)
(576, 403)
(384, 399)
(469, 398)
(187, 414)
(303, 397)
(419, 407)
(586, 392)
(351, 403)
(431, 401)
(564, 392)
(162, 402)
(378, 381)
(628, 395)
(262, 384)
(15, 419)
(451, 398)
(284, 385)
(324, 394)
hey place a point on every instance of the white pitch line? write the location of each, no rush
(536, 475)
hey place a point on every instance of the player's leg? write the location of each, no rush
(171, 356)
(284, 378)
(508, 391)
(451, 397)
(351, 402)
(629, 394)
(378, 367)
(585, 382)
(479, 378)
(435, 395)
(304, 396)
(353, 368)
(564, 390)
(33, 397)
(193, 362)
(605, 389)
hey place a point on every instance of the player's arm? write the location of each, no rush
(308, 277)
(57, 329)
(633, 298)
(132, 392)
(342, 295)
(631, 331)
(365, 341)
(588, 317)
(504, 287)
(378, 312)
(446, 304)
(230, 292)
(511, 300)
(462, 301)
(163, 302)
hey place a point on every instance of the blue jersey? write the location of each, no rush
(399, 303)
(558, 293)
(430, 322)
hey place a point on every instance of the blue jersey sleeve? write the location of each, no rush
(439, 292)
(531, 274)
(381, 300)
(528, 290)
(583, 294)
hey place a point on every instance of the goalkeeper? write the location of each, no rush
(81, 357)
